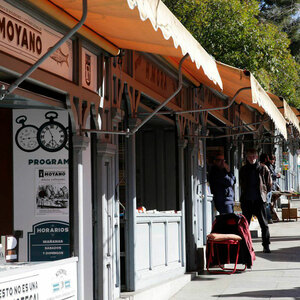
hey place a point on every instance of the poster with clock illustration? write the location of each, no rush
(41, 169)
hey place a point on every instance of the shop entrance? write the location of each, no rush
(156, 195)
(6, 173)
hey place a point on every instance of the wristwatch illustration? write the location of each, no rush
(52, 135)
(26, 136)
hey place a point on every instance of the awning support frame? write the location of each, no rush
(233, 134)
(243, 125)
(203, 109)
(226, 135)
(129, 132)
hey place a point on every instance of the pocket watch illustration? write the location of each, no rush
(52, 135)
(26, 136)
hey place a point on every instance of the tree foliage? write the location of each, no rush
(231, 32)
(285, 14)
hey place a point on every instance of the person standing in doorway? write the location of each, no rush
(264, 160)
(221, 182)
(275, 186)
(274, 174)
(256, 182)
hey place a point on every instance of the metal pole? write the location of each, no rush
(237, 126)
(15, 84)
(107, 131)
(203, 109)
(225, 135)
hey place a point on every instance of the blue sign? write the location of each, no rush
(49, 240)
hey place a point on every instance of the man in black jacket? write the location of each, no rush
(256, 182)
(221, 182)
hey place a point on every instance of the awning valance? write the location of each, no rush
(142, 25)
(290, 113)
(234, 79)
(260, 97)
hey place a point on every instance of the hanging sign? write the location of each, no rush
(285, 161)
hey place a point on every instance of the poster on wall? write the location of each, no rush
(52, 192)
(41, 170)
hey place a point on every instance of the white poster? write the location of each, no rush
(41, 170)
(28, 39)
(52, 191)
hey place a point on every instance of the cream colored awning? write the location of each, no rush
(290, 115)
(287, 111)
(260, 97)
(234, 79)
(170, 27)
(142, 25)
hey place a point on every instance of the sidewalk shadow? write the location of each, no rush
(288, 293)
(285, 238)
(278, 239)
(282, 254)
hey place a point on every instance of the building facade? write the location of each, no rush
(106, 153)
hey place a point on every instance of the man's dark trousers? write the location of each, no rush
(258, 209)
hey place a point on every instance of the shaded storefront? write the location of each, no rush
(107, 144)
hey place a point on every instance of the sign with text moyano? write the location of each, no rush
(28, 39)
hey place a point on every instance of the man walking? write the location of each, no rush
(256, 182)
(221, 182)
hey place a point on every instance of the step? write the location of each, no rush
(163, 291)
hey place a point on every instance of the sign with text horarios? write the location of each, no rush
(41, 170)
(28, 39)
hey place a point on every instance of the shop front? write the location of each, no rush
(104, 157)
(62, 185)
(39, 158)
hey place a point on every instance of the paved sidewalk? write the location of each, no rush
(273, 276)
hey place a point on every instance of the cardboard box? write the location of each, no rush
(288, 214)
